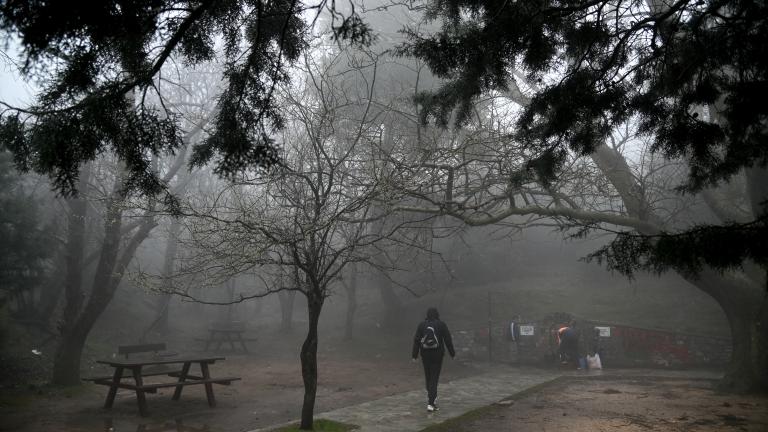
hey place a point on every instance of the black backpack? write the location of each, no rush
(430, 339)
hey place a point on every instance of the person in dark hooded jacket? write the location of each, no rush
(431, 340)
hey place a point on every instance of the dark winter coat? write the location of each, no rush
(569, 341)
(443, 336)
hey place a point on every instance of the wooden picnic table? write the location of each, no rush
(231, 332)
(184, 378)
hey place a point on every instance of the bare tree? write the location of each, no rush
(309, 217)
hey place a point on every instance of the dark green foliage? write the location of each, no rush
(720, 247)
(546, 166)
(58, 142)
(660, 68)
(25, 241)
(355, 30)
(98, 63)
(694, 74)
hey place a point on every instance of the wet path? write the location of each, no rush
(406, 412)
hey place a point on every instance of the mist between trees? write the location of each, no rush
(318, 150)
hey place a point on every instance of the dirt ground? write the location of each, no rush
(270, 392)
(620, 404)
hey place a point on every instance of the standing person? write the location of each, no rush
(569, 344)
(514, 337)
(431, 339)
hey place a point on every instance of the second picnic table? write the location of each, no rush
(184, 378)
(231, 332)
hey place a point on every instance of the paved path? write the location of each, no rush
(406, 412)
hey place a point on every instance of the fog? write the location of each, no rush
(531, 274)
(295, 218)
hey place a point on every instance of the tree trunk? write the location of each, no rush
(309, 358)
(230, 310)
(742, 301)
(75, 250)
(50, 294)
(351, 287)
(748, 370)
(109, 273)
(393, 307)
(286, 309)
(66, 364)
(69, 351)
(164, 301)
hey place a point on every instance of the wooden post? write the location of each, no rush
(490, 330)
(116, 377)
(208, 385)
(182, 378)
(140, 398)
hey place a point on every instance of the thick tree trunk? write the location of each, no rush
(109, 273)
(67, 361)
(51, 294)
(743, 302)
(75, 250)
(748, 370)
(309, 359)
(66, 364)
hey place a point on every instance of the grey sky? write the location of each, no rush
(13, 89)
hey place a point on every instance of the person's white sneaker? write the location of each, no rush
(430, 408)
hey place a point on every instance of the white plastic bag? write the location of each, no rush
(593, 361)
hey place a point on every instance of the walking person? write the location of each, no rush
(431, 340)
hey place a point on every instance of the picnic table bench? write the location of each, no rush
(183, 378)
(227, 332)
(157, 348)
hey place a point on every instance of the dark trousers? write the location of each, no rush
(433, 362)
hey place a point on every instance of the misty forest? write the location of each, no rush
(231, 215)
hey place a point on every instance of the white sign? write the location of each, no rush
(526, 330)
(604, 331)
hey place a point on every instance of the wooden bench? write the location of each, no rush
(156, 348)
(183, 379)
(127, 350)
(152, 388)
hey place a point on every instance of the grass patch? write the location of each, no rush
(456, 423)
(25, 397)
(321, 425)
(16, 400)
